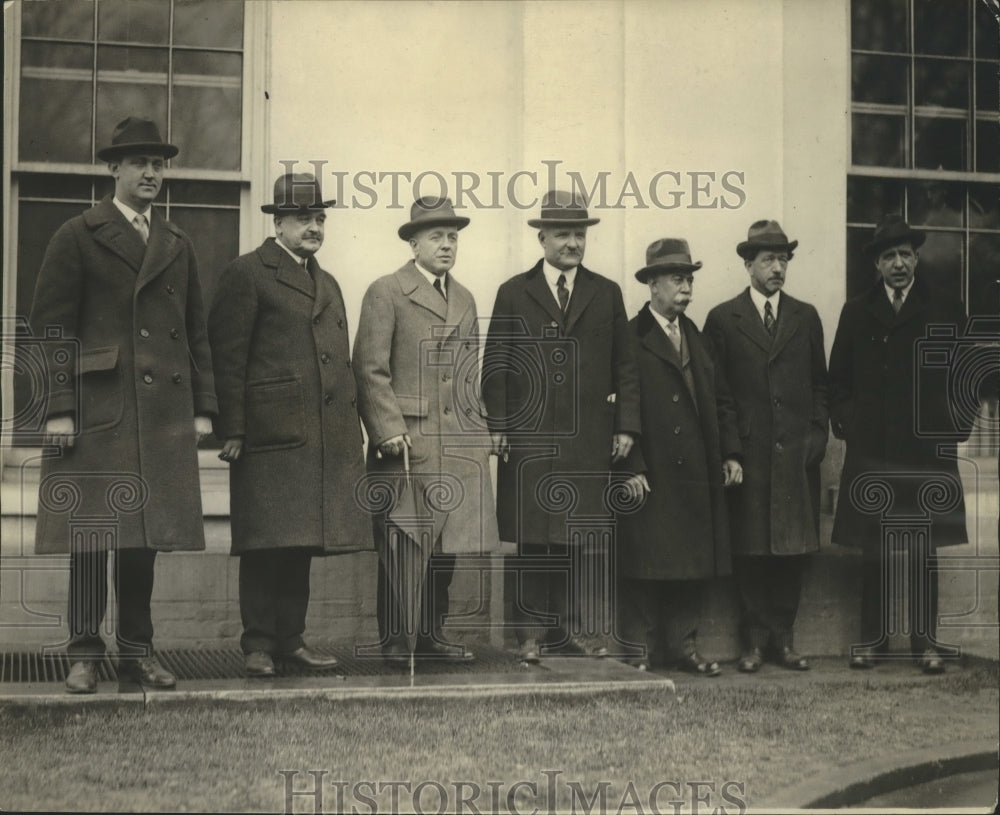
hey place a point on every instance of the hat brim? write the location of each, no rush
(285, 209)
(408, 230)
(914, 237)
(155, 148)
(748, 249)
(646, 273)
(542, 223)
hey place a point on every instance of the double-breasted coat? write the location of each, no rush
(893, 401)
(283, 375)
(680, 531)
(559, 385)
(416, 363)
(779, 388)
(133, 370)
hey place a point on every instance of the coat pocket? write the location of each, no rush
(412, 405)
(102, 403)
(275, 414)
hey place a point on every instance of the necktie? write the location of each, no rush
(769, 320)
(897, 300)
(562, 292)
(440, 288)
(139, 222)
(674, 334)
(305, 266)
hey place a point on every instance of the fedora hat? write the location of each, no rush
(764, 235)
(667, 256)
(891, 231)
(429, 211)
(562, 209)
(135, 136)
(297, 191)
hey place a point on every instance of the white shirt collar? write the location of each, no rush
(663, 321)
(431, 277)
(128, 212)
(891, 292)
(297, 258)
(552, 276)
(759, 300)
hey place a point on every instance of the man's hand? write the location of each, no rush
(202, 427)
(732, 472)
(637, 487)
(59, 431)
(232, 449)
(621, 445)
(499, 446)
(394, 446)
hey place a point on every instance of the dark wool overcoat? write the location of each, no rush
(559, 385)
(137, 371)
(892, 401)
(779, 387)
(416, 361)
(680, 532)
(284, 379)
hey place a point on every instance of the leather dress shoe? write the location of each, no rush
(431, 649)
(574, 646)
(787, 658)
(259, 664)
(82, 678)
(697, 664)
(639, 663)
(307, 658)
(146, 671)
(862, 659)
(751, 661)
(528, 652)
(931, 662)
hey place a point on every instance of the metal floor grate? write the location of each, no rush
(198, 663)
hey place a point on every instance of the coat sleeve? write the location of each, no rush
(626, 373)
(202, 378)
(820, 416)
(54, 319)
(727, 414)
(230, 330)
(372, 365)
(496, 364)
(841, 375)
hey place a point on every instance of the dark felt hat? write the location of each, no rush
(297, 191)
(893, 230)
(667, 256)
(136, 136)
(765, 235)
(429, 211)
(562, 209)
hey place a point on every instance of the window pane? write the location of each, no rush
(984, 274)
(207, 109)
(868, 199)
(209, 23)
(78, 188)
(879, 25)
(878, 140)
(988, 147)
(55, 105)
(203, 192)
(941, 27)
(65, 19)
(130, 82)
(984, 206)
(939, 143)
(987, 33)
(216, 237)
(878, 79)
(987, 83)
(861, 271)
(941, 82)
(936, 203)
(133, 21)
(940, 262)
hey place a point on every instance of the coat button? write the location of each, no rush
(677, 431)
(176, 379)
(354, 401)
(676, 397)
(173, 334)
(148, 379)
(777, 401)
(328, 399)
(468, 411)
(340, 323)
(324, 358)
(143, 332)
(778, 447)
(680, 459)
(348, 363)
(447, 410)
(316, 320)
(170, 289)
(554, 324)
(446, 377)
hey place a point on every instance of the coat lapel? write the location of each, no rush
(165, 244)
(654, 339)
(748, 322)
(789, 321)
(459, 302)
(326, 288)
(584, 289)
(289, 273)
(539, 291)
(113, 232)
(415, 286)
(879, 307)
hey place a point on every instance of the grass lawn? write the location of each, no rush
(224, 757)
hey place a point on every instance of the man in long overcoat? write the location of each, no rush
(416, 362)
(288, 415)
(769, 347)
(121, 285)
(674, 537)
(893, 401)
(562, 394)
